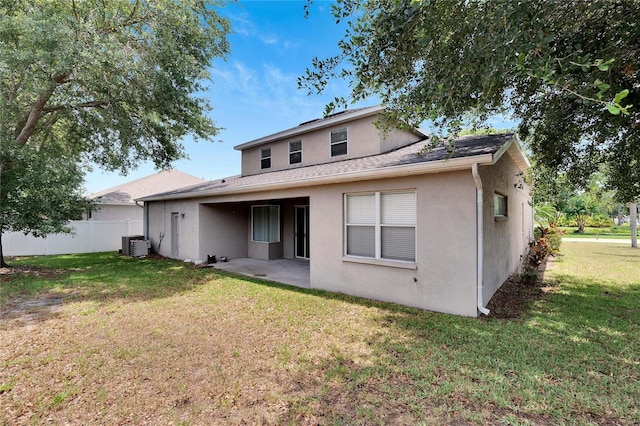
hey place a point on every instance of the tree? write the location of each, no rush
(594, 203)
(568, 70)
(113, 83)
(550, 188)
(580, 207)
(39, 192)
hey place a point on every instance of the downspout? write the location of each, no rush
(147, 235)
(145, 218)
(479, 236)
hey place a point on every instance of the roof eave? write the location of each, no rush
(448, 165)
(114, 203)
(316, 125)
(513, 147)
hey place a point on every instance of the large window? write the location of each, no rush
(339, 142)
(295, 152)
(381, 225)
(265, 224)
(265, 158)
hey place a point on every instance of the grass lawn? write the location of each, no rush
(615, 232)
(102, 339)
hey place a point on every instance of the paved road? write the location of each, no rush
(597, 240)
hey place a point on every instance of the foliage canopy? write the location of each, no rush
(568, 70)
(115, 80)
(111, 83)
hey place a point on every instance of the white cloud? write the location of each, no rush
(242, 24)
(268, 39)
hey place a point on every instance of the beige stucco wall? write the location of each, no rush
(505, 241)
(444, 278)
(444, 275)
(159, 218)
(363, 139)
(117, 212)
(394, 139)
(222, 226)
(223, 230)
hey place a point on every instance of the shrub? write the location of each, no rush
(554, 238)
(538, 251)
(529, 275)
(563, 220)
(599, 221)
(546, 242)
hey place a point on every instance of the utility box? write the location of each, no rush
(126, 243)
(140, 248)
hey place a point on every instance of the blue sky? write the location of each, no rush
(254, 92)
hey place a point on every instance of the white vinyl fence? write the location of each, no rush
(90, 236)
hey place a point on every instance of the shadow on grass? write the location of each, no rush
(35, 283)
(572, 357)
(40, 284)
(632, 257)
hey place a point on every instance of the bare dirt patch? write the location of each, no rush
(22, 270)
(516, 295)
(29, 310)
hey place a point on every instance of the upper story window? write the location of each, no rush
(265, 158)
(295, 152)
(339, 142)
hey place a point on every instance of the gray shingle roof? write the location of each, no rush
(148, 185)
(466, 146)
(334, 119)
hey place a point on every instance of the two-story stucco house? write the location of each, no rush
(372, 217)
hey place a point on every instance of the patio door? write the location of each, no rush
(302, 232)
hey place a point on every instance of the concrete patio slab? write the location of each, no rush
(286, 271)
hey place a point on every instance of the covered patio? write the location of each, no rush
(287, 271)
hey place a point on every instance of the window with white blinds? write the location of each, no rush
(381, 225)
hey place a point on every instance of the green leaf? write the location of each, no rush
(613, 109)
(620, 96)
(604, 66)
(602, 86)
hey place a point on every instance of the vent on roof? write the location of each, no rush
(323, 118)
(309, 122)
(336, 113)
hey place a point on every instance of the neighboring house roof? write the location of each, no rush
(319, 123)
(130, 191)
(404, 161)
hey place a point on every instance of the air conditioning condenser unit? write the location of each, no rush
(140, 248)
